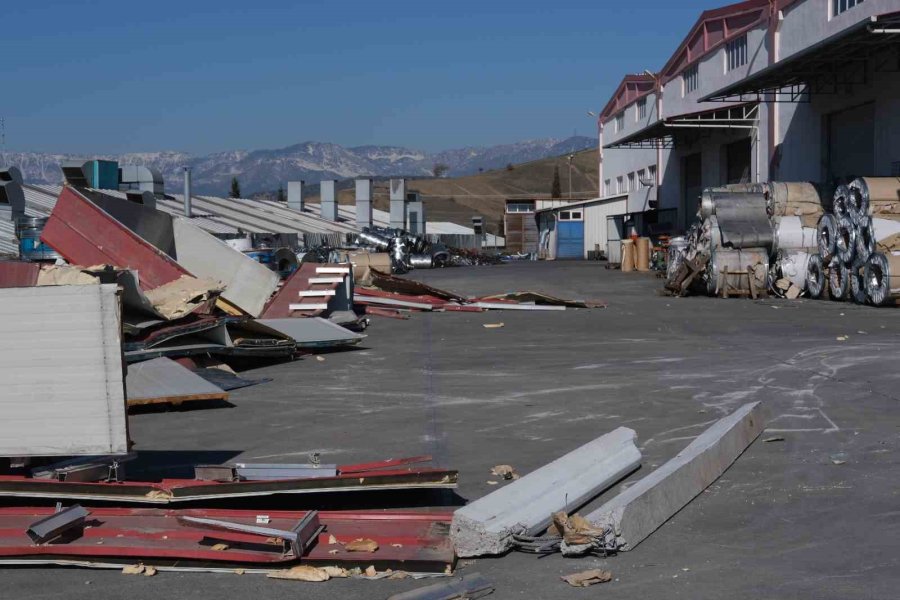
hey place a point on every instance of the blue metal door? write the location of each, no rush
(570, 239)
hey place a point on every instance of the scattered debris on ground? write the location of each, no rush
(587, 578)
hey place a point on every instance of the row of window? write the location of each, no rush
(520, 207)
(735, 57)
(839, 6)
(640, 113)
(631, 182)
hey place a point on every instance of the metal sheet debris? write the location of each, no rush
(86, 235)
(79, 406)
(414, 541)
(314, 332)
(248, 284)
(170, 491)
(162, 380)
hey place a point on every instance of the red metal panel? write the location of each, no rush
(86, 235)
(15, 273)
(421, 298)
(408, 540)
(383, 464)
(186, 490)
(279, 306)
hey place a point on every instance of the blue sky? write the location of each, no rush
(202, 76)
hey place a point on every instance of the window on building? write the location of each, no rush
(631, 186)
(519, 207)
(736, 53)
(641, 109)
(839, 6)
(641, 176)
(620, 122)
(607, 187)
(620, 185)
(570, 215)
(690, 80)
(651, 173)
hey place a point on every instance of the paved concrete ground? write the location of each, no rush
(784, 522)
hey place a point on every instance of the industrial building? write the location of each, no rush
(762, 90)
(322, 223)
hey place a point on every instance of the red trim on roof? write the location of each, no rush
(712, 29)
(630, 90)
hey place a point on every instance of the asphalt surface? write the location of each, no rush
(810, 513)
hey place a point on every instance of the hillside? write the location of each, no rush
(458, 199)
(260, 170)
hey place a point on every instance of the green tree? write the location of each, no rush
(556, 189)
(235, 188)
(439, 169)
(281, 196)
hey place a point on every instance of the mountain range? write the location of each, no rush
(262, 170)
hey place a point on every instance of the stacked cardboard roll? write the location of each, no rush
(642, 254)
(627, 255)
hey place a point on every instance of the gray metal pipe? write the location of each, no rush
(187, 193)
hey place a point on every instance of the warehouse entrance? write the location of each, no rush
(737, 161)
(691, 187)
(851, 143)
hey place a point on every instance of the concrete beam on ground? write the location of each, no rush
(645, 506)
(524, 507)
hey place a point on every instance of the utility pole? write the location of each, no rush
(571, 156)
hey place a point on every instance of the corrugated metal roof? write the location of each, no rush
(76, 406)
(228, 215)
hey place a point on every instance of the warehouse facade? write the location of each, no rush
(791, 90)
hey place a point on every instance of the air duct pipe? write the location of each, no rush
(187, 193)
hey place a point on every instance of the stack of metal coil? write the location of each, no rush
(858, 244)
(766, 228)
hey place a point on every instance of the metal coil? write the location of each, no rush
(858, 282)
(879, 287)
(815, 276)
(845, 242)
(859, 199)
(838, 280)
(375, 240)
(840, 206)
(826, 236)
(865, 239)
(421, 261)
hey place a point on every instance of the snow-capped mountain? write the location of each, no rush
(311, 161)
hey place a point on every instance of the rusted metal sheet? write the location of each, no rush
(170, 491)
(390, 283)
(413, 541)
(84, 234)
(14, 273)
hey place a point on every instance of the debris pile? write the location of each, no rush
(858, 244)
(385, 295)
(137, 308)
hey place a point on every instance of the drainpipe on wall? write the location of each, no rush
(659, 116)
(600, 191)
(776, 18)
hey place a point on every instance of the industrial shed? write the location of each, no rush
(757, 91)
